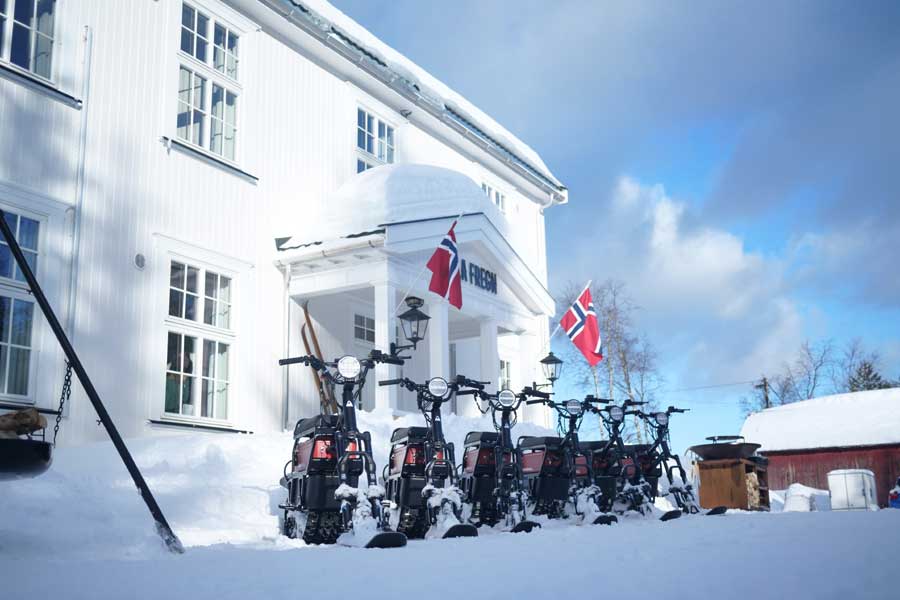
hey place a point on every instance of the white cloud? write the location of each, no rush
(711, 306)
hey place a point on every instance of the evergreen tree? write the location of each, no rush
(865, 377)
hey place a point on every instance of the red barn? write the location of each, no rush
(805, 440)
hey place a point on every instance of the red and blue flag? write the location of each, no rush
(444, 265)
(581, 325)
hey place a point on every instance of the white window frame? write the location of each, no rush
(18, 290)
(372, 159)
(212, 78)
(6, 30)
(505, 378)
(357, 315)
(202, 333)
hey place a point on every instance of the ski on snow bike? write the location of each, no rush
(659, 457)
(420, 477)
(557, 470)
(491, 477)
(616, 469)
(325, 503)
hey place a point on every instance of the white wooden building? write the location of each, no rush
(185, 175)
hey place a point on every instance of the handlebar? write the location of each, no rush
(538, 401)
(390, 382)
(672, 409)
(466, 392)
(535, 394)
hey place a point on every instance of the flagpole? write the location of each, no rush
(422, 271)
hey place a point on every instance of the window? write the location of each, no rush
(16, 324)
(374, 141)
(26, 34)
(198, 389)
(26, 232)
(496, 196)
(364, 328)
(207, 86)
(505, 375)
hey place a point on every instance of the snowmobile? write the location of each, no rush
(421, 478)
(325, 503)
(658, 456)
(616, 468)
(557, 469)
(491, 476)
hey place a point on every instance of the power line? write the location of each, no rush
(709, 387)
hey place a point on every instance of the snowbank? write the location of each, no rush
(842, 420)
(801, 498)
(213, 488)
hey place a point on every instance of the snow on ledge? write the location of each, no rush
(839, 421)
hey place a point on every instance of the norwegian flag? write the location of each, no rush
(580, 324)
(444, 265)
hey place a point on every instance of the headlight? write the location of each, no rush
(438, 387)
(506, 398)
(662, 419)
(349, 367)
(573, 407)
(616, 414)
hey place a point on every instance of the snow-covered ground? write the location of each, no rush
(81, 531)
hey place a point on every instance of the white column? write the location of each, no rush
(385, 322)
(438, 340)
(490, 358)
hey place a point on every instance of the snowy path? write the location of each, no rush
(81, 531)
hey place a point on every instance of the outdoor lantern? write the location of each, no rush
(414, 322)
(552, 367)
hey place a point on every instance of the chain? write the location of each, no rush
(64, 396)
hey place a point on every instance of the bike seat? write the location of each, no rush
(417, 434)
(307, 427)
(532, 442)
(482, 437)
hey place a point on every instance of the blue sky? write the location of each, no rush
(733, 163)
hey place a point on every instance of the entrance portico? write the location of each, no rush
(354, 287)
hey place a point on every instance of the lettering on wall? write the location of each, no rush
(479, 277)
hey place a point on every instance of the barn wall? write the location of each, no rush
(811, 467)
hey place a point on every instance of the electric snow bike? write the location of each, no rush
(421, 466)
(557, 470)
(658, 457)
(616, 467)
(491, 476)
(324, 502)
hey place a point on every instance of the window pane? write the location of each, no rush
(230, 141)
(216, 137)
(6, 261)
(207, 398)
(187, 396)
(28, 233)
(20, 53)
(222, 362)
(24, 11)
(390, 154)
(190, 307)
(370, 323)
(360, 166)
(209, 353)
(19, 360)
(189, 354)
(5, 306)
(193, 277)
(359, 333)
(176, 275)
(2, 45)
(187, 41)
(370, 336)
(187, 16)
(224, 315)
(4, 354)
(360, 139)
(224, 288)
(210, 285)
(23, 314)
(172, 352)
(172, 384)
(219, 48)
(232, 43)
(360, 118)
(30, 259)
(359, 320)
(218, 102)
(232, 68)
(221, 400)
(230, 108)
(201, 34)
(209, 312)
(45, 17)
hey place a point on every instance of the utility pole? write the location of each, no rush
(764, 386)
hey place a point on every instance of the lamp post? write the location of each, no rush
(414, 323)
(552, 367)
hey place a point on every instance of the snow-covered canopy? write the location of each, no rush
(839, 421)
(398, 193)
(453, 105)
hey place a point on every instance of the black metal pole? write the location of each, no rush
(162, 526)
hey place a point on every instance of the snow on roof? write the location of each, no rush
(839, 421)
(453, 105)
